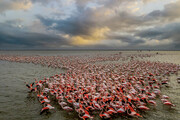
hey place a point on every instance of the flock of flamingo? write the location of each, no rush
(101, 84)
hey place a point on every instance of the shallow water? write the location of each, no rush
(17, 104)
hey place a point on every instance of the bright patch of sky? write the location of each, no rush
(61, 10)
(93, 5)
(154, 5)
(25, 16)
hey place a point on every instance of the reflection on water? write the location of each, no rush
(17, 104)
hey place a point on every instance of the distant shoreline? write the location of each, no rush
(82, 50)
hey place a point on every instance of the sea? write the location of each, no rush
(16, 103)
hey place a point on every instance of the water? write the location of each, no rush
(17, 104)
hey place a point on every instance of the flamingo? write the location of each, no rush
(30, 87)
(142, 107)
(105, 115)
(167, 103)
(97, 106)
(111, 111)
(67, 108)
(86, 116)
(62, 104)
(46, 109)
(46, 100)
(121, 110)
(134, 113)
(152, 102)
(89, 108)
(165, 97)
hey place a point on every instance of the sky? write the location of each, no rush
(90, 24)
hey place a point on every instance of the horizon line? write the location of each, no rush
(90, 49)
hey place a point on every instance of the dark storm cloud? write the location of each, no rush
(170, 31)
(164, 32)
(17, 37)
(43, 2)
(83, 23)
(75, 25)
(150, 33)
(127, 38)
(124, 20)
(84, 20)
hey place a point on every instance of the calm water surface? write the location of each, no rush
(17, 104)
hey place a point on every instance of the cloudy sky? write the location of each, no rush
(107, 24)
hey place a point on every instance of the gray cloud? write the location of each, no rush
(85, 20)
(6, 5)
(78, 24)
(146, 1)
(150, 33)
(84, 23)
(127, 38)
(170, 31)
(169, 13)
(18, 37)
